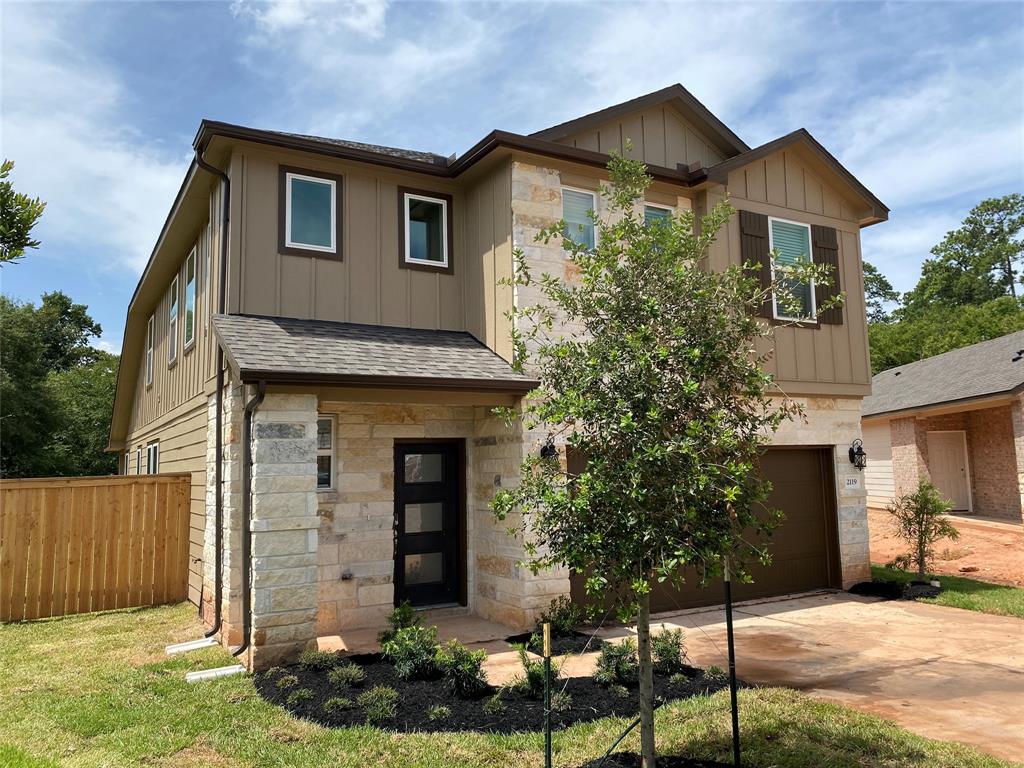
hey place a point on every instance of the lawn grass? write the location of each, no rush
(97, 690)
(969, 594)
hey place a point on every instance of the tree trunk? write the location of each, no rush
(921, 557)
(643, 635)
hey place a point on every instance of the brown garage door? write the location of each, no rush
(803, 547)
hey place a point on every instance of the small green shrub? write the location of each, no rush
(300, 695)
(496, 704)
(437, 712)
(668, 652)
(348, 675)
(714, 671)
(619, 690)
(618, 663)
(337, 704)
(532, 681)
(563, 615)
(379, 703)
(318, 660)
(921, 519)
(287, 681)
(402, 617)
(462, 670)
(413, 652)
(678, 679)
(273, 671)
(561, 701)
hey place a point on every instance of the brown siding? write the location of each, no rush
(367, 285)
(660, 136)
(832, 359)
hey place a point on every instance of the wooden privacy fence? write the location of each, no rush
(81, 544)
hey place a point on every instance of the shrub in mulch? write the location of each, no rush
(574, 642)
(632, 760)
(427, 705)
(893, 590)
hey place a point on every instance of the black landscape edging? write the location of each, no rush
(894, 590)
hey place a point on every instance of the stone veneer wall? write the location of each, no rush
(836, 422)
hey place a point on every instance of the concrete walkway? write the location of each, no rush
(941, 672)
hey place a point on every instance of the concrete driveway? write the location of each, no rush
(941, 672)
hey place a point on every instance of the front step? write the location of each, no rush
(190, 645)
(430, 614)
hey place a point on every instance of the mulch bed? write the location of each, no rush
(632, 760)
(892, 590)
(590, 701)
(577, 642)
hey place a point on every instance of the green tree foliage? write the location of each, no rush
(878, 292)
(663, 391)
(921, 520)
(18, 215)
(56, 391)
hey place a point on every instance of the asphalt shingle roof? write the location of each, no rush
(988, 368)
(281, 348)
(377, 149)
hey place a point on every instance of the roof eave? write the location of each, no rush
(509, 386)
(972, 400)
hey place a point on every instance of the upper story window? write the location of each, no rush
(791, 241)
(153, 458)
(324, 453)
(576, 207)
(138, 460)
(310, 214)
(127, 462)
(190, 299)
(172, 324)
(426, 231)
(656, 214)
(150, 338)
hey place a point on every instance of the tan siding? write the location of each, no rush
(367, 286)
(878, 478)
(832, 358)
(182, 437)
(660, 136)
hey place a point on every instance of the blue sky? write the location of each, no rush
(924, 102)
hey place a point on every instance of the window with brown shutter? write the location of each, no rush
(754, 250)
(825, 250)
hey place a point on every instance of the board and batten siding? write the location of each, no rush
(832, 359)
(660, 136)
(366, 285)
(878, 477)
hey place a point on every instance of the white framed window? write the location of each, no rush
(654, 213)
(153, 458)
(325, 453)
(138, 460)
(576, 207)
(127, 462)
(791, 242)
(190, 300)
(310, 213)
(207, 284)
(150, 338)
(172, 324)
(425, 232)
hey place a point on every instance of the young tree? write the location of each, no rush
(878, 292)
(921, 520)
(662, 389)
(18, 215)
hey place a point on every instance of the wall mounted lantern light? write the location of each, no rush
(858, 457)
(548, 450)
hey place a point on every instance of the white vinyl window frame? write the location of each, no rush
(810, 255)
(153, 458)
(329, 452)
(207, 286)
(660, 206)
(127, 462)
(138, 460)
(289, 176)
(408, 197)
(150, 342)
(593, 207)
(172, 323)
(190, 295)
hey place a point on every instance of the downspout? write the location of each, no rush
(219, 418)
(250, 408)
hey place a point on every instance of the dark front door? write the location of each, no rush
(428, 514)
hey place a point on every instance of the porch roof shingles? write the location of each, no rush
(985, 369)
(282, 349)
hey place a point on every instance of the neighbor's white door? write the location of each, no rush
(947, 462)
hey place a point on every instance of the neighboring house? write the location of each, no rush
(955, 419)
(360, 310)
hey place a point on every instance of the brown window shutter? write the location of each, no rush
(754, 249)
(825, 250)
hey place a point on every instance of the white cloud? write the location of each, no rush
(106, 187)
(277, 17)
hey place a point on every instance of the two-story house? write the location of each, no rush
(320, 337)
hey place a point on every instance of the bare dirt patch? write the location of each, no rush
(986, 551)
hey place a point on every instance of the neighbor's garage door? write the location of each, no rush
(803, 547)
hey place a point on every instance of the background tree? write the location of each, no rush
(84, 396)
(878, 292)
(664, 393)
(18, 215)
(921, 520)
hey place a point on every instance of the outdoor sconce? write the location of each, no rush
(548, 450)
(858, 458)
